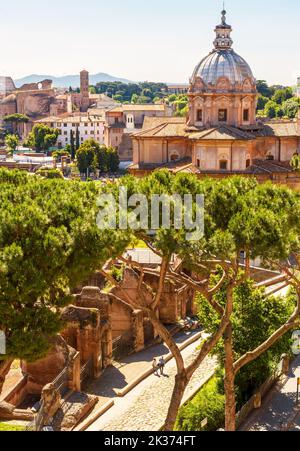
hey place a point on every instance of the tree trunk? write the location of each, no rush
(181, 382)
(4, 370)
(230, 404)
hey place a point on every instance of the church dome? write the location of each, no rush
(223, 61)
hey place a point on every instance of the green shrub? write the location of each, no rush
(50, 173)
(10, 427)
(208, 403)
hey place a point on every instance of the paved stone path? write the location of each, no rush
(278, 410)
(146, 406)
(122, 373)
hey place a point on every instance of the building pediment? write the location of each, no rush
(223, 84)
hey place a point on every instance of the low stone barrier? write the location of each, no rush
(94, 417)
(256, 400)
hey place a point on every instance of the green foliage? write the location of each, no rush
(117, 273)
(58, 154)
(295, 162)
(180, 104)
(11, 142)
(72, 149)
(264, 89)
(276, 101)
(5, 427)
(91, 156)
(290, 107)
(16, 118)
(208, 403)
(49, 242)
(261, 102)
(281, 95)
(272, 109)
(256, 317)
(42, 137)
(50, 173)
(77, 139)
(138, 93)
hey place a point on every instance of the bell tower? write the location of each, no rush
(84, 90)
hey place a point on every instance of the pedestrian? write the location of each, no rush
(155, 367)
(162, 364)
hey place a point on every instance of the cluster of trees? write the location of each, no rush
(139, 93)
(180, 103)
(50, 173)
(255, 317)
(93, 157)
(42, 137)
(11, 132)
(49, 242)
(276, 101)
(74, 143)
(262, 220)
(11, 142)
(13, 120)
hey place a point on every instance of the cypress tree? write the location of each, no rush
(77, 139)
(72, 143)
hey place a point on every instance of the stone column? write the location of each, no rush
(108, 349)
(74, 382)
(97, 366)
(285, 364)
(138, 330)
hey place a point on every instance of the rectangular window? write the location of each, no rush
(198, 163)
(246, 115)
(199, 115)
(222, 116)
(223, 165)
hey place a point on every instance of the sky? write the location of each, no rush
(157, 40)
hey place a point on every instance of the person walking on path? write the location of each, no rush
(155, 367)
(162, 364)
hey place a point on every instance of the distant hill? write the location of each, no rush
(68, 80)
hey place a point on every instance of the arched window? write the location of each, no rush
(270, 157)
(174, 157)
(248, 163)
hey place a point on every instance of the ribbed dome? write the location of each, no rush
(223, 63)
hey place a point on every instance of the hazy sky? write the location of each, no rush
(157, 40)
